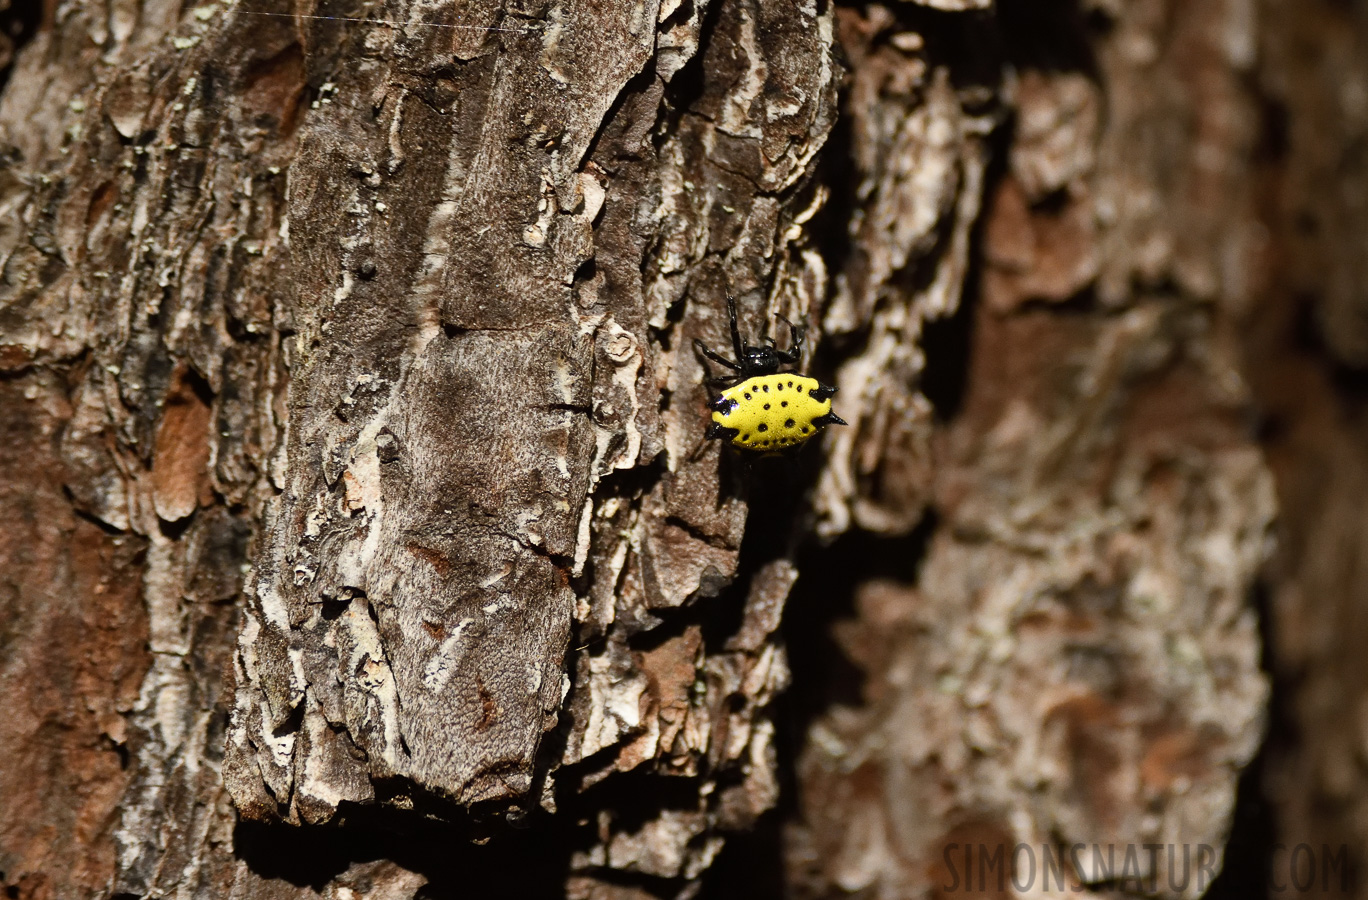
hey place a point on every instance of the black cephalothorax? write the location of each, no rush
(753, 359)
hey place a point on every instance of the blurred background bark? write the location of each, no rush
(360, 538)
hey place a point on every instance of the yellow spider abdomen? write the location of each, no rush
(772, 412)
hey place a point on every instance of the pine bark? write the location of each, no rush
(1305, 343)
(1075, 660)
(362, 535)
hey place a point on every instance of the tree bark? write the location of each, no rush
(1305, 344)
(402, 316)
(363, 537)
(1075, 660)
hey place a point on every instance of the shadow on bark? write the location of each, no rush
(525, 864)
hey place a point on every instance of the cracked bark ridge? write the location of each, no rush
(1077, 658)
(500, 265)
(140, 305)
(920, 148)
(420, 301)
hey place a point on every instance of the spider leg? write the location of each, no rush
(738, 346)
(795, 350)
(715, 357)
(726, 381)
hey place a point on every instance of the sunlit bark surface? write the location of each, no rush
(362, 538)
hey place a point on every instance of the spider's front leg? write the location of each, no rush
(795, 350)
(725, 381)
(715, 356)
(738, 346)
